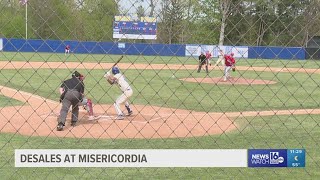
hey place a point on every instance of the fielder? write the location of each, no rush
(208, 57)
(117, 78)
(229, 62)
(67, 50)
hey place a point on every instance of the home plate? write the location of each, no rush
(105, 118)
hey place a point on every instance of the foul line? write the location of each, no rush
(24, 94)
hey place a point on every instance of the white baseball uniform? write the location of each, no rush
(127, 92)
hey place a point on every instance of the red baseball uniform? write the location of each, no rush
(208, 55)
(229, 60)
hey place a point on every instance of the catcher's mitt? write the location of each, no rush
(233, 69)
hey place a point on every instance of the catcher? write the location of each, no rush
(203, 60)
(229, 62)
(117, 78)
(86, 103)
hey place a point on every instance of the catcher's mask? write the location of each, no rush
(115, 70)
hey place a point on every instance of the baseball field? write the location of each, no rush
(268, 104)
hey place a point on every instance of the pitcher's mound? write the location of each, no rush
(233, 80)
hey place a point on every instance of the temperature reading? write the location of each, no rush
(295, 164)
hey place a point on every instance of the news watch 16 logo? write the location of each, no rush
(267, 158)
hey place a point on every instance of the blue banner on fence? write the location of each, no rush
(276, 158)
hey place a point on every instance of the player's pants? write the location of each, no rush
(71, 98)
(87, 104)
(206, 62)
(67, 51)
(123, 98)
(226, 74)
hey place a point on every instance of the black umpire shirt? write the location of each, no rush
(202, 57)
(73, 83)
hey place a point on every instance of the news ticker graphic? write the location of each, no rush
(276, 157)
(159, 158)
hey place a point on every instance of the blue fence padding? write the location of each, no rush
(57, 46)
(262, 52)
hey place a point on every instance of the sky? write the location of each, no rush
(132, 5)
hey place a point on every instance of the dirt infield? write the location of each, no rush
(39, 115)
(39, 118)
(233, 80)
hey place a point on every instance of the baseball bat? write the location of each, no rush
(115, 64)
(118, 61)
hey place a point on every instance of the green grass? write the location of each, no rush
(102, 58)
(5, 101)
(292, 91)
(301, 131)
(109, 58)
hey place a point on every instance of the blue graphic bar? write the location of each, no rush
(296, 157)
(276, 158)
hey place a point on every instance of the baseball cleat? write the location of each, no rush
(73, 124)
(60, 127)
(92, 118)
(120, 117)
(130, 113)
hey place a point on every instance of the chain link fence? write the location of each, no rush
(175, 97)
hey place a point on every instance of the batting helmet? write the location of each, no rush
(115, 70)
(76, 74)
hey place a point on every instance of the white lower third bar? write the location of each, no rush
(131, 158)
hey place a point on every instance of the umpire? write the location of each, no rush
(71, 92)
(203, 61)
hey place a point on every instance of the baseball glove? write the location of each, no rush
(233, 69)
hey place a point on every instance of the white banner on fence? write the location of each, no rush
(195, 50)
(131, 158)
(1, 44)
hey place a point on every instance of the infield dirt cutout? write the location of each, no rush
(39, 116)
(232, 80)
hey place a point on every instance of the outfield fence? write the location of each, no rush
(179, 118)
(128, 48)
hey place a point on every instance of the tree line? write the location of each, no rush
(229, 22)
